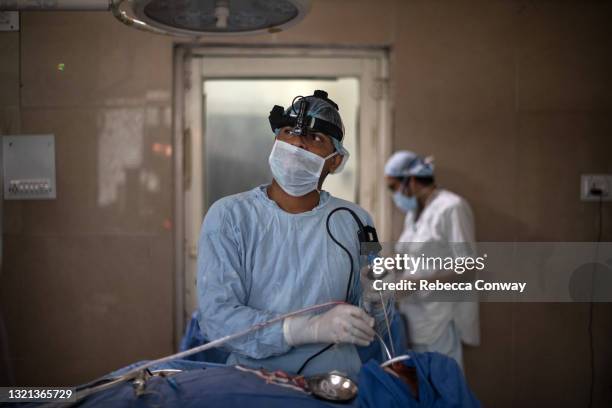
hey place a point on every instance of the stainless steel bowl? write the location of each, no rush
(334, 386)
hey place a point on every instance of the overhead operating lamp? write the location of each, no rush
(191, 18)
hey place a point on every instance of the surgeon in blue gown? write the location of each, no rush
(266, 252)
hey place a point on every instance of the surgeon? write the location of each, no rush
(435, 218)
(267, 251)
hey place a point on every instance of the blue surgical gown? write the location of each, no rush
(256, 262)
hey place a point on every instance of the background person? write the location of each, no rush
(434, 217)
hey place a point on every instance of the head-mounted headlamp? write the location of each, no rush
(297, 117)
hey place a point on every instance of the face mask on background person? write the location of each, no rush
(297, 171)
(403, 202)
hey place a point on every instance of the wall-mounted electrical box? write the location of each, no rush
(29, 167)
(9, 21)
(591, 184)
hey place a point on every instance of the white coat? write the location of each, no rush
(446, 218)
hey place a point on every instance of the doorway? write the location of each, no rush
(222, 105)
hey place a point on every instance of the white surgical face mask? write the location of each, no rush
(296, 170)
(404, 203)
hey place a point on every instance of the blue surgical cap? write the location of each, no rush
(405, 163)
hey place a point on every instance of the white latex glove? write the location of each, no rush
(342, 324)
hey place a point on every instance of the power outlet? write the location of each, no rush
(601, 182)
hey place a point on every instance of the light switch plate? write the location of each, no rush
(29, 167)
(602, 182)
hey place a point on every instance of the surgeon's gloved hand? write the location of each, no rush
(342, 324)
(369, 293)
